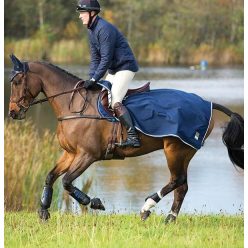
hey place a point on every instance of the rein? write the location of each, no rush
(77, 115)
(56, 95)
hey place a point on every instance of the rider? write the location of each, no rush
(110, 53)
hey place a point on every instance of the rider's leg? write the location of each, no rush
(110, 78)
(126, 120)
(120, 85)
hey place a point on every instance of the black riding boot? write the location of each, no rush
(125, 119)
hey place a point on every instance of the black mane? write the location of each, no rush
(60, 70)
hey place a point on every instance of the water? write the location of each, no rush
(214, 184)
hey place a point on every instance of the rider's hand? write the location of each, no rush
(89, 83)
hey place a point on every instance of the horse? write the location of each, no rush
(86, 138)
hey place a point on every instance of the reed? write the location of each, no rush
(28, 157)
(76, 51)
(28, 49)
(70, 51)
(63, 51)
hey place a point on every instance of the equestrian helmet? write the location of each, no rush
(88, 5)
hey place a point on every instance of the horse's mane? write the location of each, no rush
(57, 68)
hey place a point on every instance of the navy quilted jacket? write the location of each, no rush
(109, 50)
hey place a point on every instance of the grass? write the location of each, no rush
(24, 229)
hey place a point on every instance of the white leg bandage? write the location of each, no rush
(159, 195)
(148, 204)
(173, 213)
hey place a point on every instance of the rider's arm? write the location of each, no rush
(107, 39)
(95, 59)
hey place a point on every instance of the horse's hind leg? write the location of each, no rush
(61, 166)
(79, 165)
(178, 156)
(180, 192)
(179, 195)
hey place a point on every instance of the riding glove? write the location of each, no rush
(89, 83)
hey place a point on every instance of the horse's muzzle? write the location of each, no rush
(17, 115)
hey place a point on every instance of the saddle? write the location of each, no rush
(104, 102)
(105, 110)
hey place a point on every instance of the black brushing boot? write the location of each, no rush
(125, 119)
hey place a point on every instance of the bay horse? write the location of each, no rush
(85, 140)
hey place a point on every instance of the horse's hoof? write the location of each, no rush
(44, 214)
(96, 203)
(170, 219)
(144, 215)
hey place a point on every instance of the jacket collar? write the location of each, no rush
(93, 25)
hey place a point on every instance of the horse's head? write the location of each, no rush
(24, 88)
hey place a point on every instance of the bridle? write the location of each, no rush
(45, 99)
(23, 68)
(26, 92)
(76, 115)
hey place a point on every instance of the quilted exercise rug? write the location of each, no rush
(169, 112)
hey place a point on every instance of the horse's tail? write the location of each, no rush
(233, 136)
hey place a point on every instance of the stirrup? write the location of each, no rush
(130, 142)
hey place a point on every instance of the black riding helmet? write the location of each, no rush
(88, 6)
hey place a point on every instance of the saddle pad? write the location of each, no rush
(168, 112)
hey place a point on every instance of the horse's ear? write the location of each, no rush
(18, 65)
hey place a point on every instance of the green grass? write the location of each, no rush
(23, 229)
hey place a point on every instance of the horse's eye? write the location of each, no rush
(16, 81)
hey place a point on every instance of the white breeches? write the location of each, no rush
(120, 82)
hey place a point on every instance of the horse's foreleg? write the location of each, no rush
(46, 197)
(79, 165)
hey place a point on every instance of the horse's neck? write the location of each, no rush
(54, 82)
